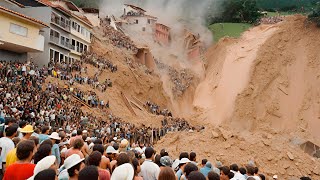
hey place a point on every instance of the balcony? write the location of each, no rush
(61, 43)
(61, 24)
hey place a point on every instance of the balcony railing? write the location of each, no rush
(60, 23)
(61, 43)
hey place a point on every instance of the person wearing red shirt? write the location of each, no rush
(23, 168)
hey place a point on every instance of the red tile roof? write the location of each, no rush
(23, 16)
(82, 18)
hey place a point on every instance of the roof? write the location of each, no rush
(81, 18)
(90, 10)
(72, 6)
(163, 25)
(149, 16)
(16, 3)
(23, 16)
(135, 7)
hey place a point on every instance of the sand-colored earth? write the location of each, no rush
(259, 98)
(264, 89)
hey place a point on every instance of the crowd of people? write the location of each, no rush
(271, 20)
(54, 154)
(155, 109)
(117, 38)
(181, 79)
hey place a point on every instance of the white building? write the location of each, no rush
(137, 19)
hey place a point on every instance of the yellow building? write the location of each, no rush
(19, 34)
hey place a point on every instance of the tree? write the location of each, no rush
(315, 15)
(241, 11)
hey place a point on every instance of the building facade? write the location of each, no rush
(19, 34)
(68, 35)
(162, 34)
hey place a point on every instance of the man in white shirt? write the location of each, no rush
(6, 143)
(237, 175)
(149, 170)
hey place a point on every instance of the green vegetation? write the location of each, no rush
(220, 30)
(87, 3)
(285, 5)
(315, 15)
(271, 14)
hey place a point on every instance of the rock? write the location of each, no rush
(266, 142)
(290, 156)
(269, 136)
(227, 146)
(225, 134)
(316, 170)
(269, 158)
(214, 134)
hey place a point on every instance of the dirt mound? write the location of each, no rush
(273, 153)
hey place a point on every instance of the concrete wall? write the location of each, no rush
(31, 40)
(142, 23)
(43, 14)
(12, 56)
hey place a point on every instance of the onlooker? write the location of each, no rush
(6, 144)
(213, 176)
(137, 169)
(95, 159)
(76, 149)
(47, 174)
(71, 167)
(55, 147)
(89, 172)
(195, 175)
(167, 173)
(149, 170)
(23, 169)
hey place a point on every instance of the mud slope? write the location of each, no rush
(267, 78)
(228, 73)
(284, 88)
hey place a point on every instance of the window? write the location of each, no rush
(149, 21)
(61, 58)
(137, 21)
(19, 30)
(62, 40)
(143, 29)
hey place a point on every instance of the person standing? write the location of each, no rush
(149, 170)
(23, 168)
(6, 143)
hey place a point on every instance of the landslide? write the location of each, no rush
(259, 101)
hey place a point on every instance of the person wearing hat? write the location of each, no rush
(71, 168)
(124, 172)
(26, 132)
(149, 170)
(45, 163)
(165, 161)
(55, 148)
(111, 154)
(182, 163)
(6, 143)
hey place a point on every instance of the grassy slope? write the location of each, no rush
(220, 30)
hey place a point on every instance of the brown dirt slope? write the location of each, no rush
(283, 91)
(263, 88)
